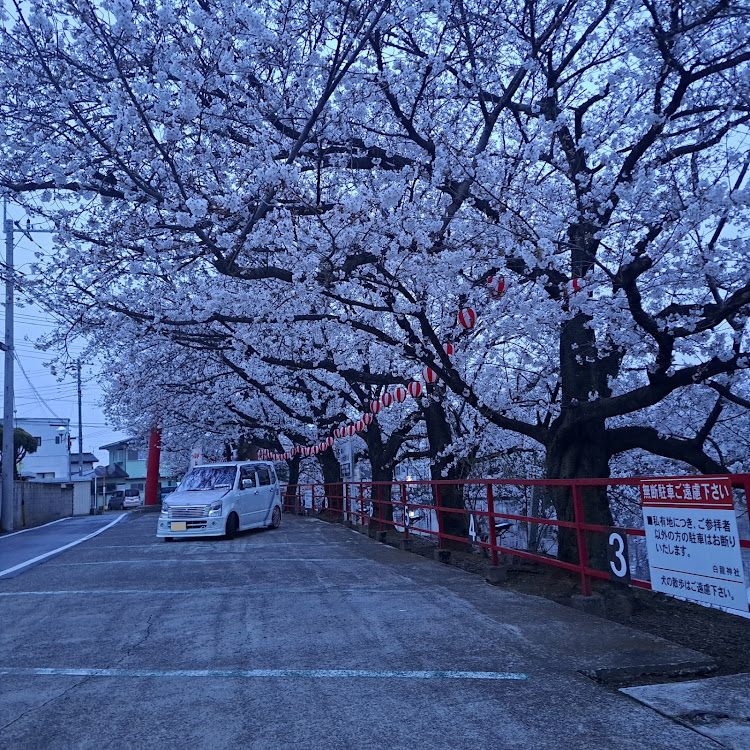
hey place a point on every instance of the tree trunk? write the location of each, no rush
(575, 454)
(334, 487)
(292, 499)
(382, 471)
(442, 467)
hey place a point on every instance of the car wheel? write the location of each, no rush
(276, 518)
(168, 538)
(232, 526)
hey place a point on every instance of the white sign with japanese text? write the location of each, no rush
(196, 456)
(692, 540)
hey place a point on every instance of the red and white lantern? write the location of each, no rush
(400, 394)
(386, 399)
(574, 286)
(496, 286)
(359, 426)
(375, 406)
(329, 441)
(350, 429)
(367, 418)
(467, 318)
(415, 389)
(429, 375)
(448, 349)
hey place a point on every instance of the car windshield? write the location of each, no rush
(208, 478)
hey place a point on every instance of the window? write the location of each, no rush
(142, 455)
(264, 478)
(247, 473)
(132, 454)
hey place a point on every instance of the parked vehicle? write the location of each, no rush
(220, 500)
(116, 499)
(165, 491)
(132, 499)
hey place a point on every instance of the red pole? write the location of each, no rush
(439, 516)
(583, 554)
(152, 468)
(491, 522)
(403, 502)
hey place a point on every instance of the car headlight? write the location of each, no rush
(214, 509)
(165, 508)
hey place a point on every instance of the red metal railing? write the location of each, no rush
(358, 501)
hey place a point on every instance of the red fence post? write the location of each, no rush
(439, 516)
(491, 520)
(403, 502)
(583, 553)
(380, 507)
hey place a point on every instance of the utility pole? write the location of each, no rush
(80, 423)
(9, 450)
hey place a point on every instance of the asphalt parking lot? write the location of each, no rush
(311, 636)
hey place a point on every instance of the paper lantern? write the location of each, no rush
(574, 286)
(350, 429)
(415, 389)
(329, 441)
(386, 399)
(400, 394)
(374, 406)
(367, 418)
(359, 426)
(448, 349)
(429, 375)
(467, 317)
(496, 285)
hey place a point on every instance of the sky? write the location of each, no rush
(38, 393)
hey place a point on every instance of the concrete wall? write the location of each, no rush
(36, 503)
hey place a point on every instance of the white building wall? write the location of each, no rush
(52, 457)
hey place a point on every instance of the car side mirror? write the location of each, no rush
(247, 484)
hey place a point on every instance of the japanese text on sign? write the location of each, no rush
(692, 540)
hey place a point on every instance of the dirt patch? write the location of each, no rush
(721, 635)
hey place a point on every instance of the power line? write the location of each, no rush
(33, 388)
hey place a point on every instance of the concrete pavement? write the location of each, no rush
(311, 636)
(20, 550)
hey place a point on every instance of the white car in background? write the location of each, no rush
(220, 500)
(132, 499)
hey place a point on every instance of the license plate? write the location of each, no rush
(179, 526)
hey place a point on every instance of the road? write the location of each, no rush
(311, 636)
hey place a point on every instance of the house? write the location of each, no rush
(52, 457)
(129, 456)
(82, 463)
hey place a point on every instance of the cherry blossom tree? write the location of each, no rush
(367, 167)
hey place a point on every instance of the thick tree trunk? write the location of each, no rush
(443, 467)
(575, 454)
(382, 471)
(292, 499)
(334, 488)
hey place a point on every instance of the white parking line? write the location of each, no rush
(59, 549)
(246, 591)
(213, 561)
(315, 674)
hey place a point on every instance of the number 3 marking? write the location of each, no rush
(619, 570)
